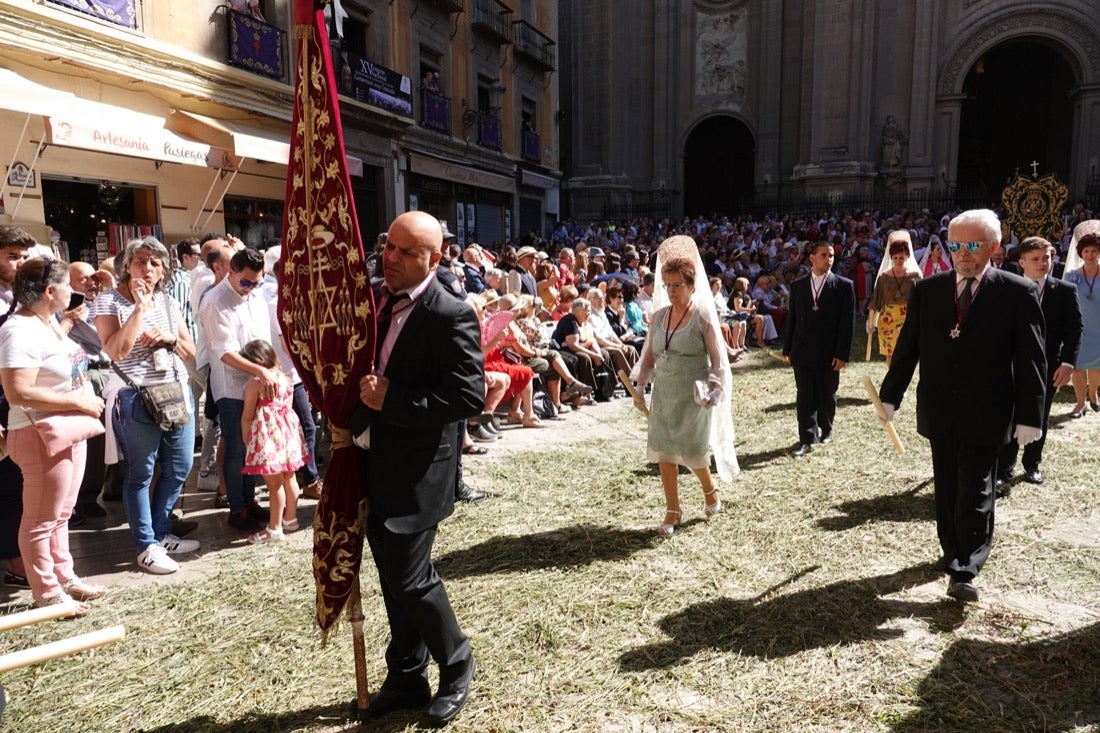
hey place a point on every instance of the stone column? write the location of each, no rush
(1086, 139)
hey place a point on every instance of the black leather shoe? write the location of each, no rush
(1033, 476)
(92, 510)
(481, 434)
(451, 698)
(1002, 488)
(183, 527)
(467, 493)
(391, 699)
(827, 438)
(962, 590)
(802, 450)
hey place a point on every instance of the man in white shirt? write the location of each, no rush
(232, 314)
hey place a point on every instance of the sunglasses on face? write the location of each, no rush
(970, 246)
(249, 284)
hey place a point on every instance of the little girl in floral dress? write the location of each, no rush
(275, 446)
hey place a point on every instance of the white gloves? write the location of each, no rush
(1026, 434)
(889, 410)
(714, 396)
(870, 327)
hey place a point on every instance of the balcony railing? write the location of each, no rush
(493, 18)
(532, 147)
(256, 45)
(533, 46)
(435, 111)
(489, 131)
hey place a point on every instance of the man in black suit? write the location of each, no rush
(428, 377)
(818, 343)
(1062, 334)
(977, 333)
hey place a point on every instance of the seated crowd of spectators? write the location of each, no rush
(561, 317)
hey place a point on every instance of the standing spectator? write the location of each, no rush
(15, 244)
(80, 323)
(818, 344)
(43, 372)
(309, 477)
(143, 332)
(977, 334)
(276, 446)
(230, 316)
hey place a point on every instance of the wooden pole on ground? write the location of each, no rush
(355, 614)
(62, 648)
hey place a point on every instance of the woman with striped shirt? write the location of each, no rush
(143, 331)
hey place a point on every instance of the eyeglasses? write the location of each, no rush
(675, 286)
(249, 284)
(970, 246)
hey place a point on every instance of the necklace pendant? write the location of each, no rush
(955, 332)
(815, 306)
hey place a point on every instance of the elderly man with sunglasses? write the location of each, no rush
(232, 314)
(977, 333)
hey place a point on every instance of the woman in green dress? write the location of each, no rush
(690, 416)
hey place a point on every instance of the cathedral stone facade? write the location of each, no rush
(673, 107)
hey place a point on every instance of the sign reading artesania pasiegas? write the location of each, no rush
(137, 140)
(373, 84)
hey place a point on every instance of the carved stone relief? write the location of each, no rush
(721, 54)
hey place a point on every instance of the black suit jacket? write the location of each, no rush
(814, 338)
(1062, 313)
(437, 378)
(971, 387)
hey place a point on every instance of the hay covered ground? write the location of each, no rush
(811, 604)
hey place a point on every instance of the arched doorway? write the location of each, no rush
(718, 166)
(1017, 110)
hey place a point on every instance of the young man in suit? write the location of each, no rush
(977, 333)
(1062, 335)
(428, 377)
(818, 343)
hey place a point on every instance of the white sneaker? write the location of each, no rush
(154, 560)
(175, 546)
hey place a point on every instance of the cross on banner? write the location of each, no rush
(1034, 169)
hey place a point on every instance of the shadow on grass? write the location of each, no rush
(908, 506)
(751, 460)
(307, 718)
(559, 548)
(841, 402)
(846, 612)
(1048, 685)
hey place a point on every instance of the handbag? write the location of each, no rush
(166, 404)
(60, 431)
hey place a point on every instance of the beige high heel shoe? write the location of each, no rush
(712, 508)
(667, 527)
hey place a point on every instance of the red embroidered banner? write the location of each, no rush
(326, 307)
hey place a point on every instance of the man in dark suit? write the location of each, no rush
(817, 342)
(977, 333)
(1062, 334)
(428, 377)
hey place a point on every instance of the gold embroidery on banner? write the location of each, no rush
(1034, 206)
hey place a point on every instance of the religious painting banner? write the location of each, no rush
(119, 12)
(255, 45)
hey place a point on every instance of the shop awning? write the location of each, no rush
(243, 140)
(21, 95)
(18, 94)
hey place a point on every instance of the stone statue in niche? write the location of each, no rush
(894, 143)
